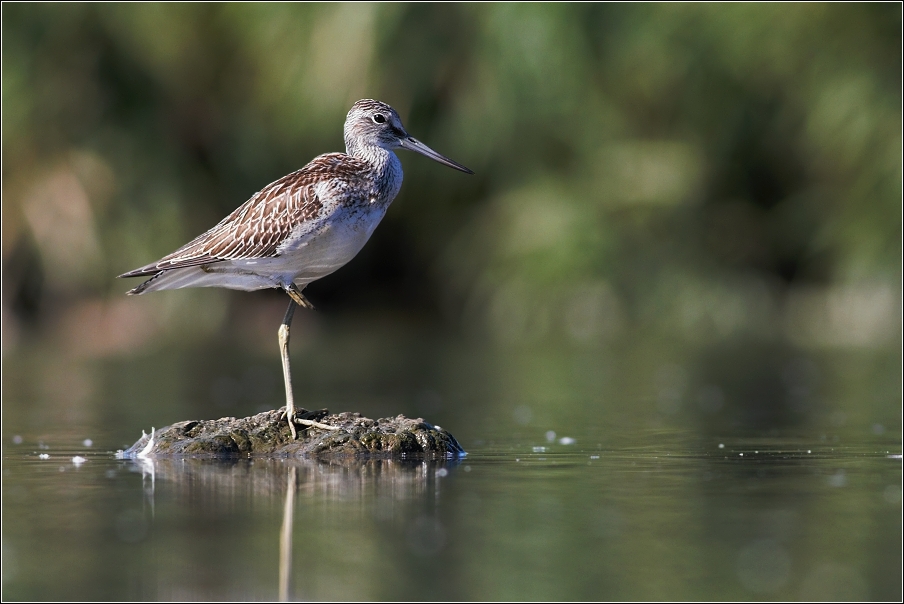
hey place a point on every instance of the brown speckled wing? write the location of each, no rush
(257, 227)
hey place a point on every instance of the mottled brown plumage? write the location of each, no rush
(257, 227)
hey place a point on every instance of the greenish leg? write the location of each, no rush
(287, 371)
(298, 299)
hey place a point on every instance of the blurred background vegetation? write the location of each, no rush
(681, 213)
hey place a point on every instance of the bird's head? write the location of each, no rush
(372, 123)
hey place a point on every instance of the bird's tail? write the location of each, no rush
(201, 276)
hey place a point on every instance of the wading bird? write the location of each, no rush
(301, 227)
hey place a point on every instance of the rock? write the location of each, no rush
(267, 435)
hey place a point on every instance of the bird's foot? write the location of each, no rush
(291, 421)
(313, 424)
(309, 419)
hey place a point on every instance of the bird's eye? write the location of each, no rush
(379, 118)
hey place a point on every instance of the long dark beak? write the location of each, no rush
(412, 144)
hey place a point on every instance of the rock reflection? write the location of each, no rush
(346, 479)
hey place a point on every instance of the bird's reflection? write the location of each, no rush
(285, 537)
(381, 482)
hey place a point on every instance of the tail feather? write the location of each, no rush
(143, 287)
(199, 277)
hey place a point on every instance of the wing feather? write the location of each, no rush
(258, 227)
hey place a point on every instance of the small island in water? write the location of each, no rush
(321, 435)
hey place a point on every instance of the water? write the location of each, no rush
(679, 520)
(649, 471)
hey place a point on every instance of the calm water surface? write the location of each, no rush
(548, 520)
(644, 469)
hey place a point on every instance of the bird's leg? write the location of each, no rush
(287, 371)
(298, 299)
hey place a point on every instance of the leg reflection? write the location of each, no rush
(285, 539)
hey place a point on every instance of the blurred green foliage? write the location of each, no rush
(611, 142)
(710, 174)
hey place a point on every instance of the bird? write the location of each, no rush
(301, 227)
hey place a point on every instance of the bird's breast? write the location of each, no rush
(317, 249)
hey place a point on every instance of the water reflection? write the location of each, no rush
(682, 518)
(285, 537)
(345, 480)
(245, 483)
